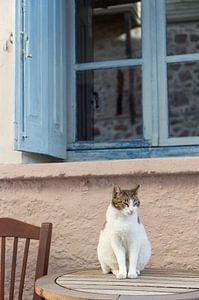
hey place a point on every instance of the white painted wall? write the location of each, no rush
(7, 154)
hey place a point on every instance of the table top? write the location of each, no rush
(92, 284)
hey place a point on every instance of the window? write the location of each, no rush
(178, 62)
(112, 110)
(107, 79)
(109, 100)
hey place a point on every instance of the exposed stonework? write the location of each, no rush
(183, 82)
(110, 44)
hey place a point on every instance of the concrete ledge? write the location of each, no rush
(137, 167)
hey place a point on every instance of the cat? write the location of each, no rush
(124, 248)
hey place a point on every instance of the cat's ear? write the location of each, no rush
(135, 190)
(116, 191)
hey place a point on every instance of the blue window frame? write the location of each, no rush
(169, 59)
(54, 122)
(109, 148)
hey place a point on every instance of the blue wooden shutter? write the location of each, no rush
(42, 117)
(57, 77)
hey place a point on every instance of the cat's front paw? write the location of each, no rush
(121, 275)
(132, 275)
(138, 272)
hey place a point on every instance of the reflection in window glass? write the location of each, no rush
(182, 26)
(183, 97)
(109, 104)
(107, 29)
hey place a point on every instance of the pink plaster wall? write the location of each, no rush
(76, 206)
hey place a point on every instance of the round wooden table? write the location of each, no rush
(92, 284)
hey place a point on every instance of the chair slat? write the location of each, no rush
(3, 250)
(15, 230)
(44, 248)
(13, 270)
(23, 272)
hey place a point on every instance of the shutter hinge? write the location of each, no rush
(23, 43)
(23, 6)
(15, 131)
(23, 135)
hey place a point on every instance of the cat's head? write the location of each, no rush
(126, 201)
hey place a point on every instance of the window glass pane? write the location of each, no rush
(109, 104)
(182, 26)
(107, 29)
(183, 99)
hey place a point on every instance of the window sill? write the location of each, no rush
(134, 167)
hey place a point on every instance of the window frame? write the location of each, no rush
(147, 71)
(156, 142)
(163, 61)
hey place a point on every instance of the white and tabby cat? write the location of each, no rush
(124, 248)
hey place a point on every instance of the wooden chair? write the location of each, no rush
(10, 228)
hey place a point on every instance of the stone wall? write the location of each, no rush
(183, 82)
(109, 124)
(109, 43)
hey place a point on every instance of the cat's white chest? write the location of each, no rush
(124, 227)
(125, 230)
(123, 248)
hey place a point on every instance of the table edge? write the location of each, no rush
(47, 288)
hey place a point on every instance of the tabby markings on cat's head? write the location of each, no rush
(125, 200)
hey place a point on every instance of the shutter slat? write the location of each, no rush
(42, 109)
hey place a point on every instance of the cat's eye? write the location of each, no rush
(127, 204)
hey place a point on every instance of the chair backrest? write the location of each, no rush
(13, 231)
